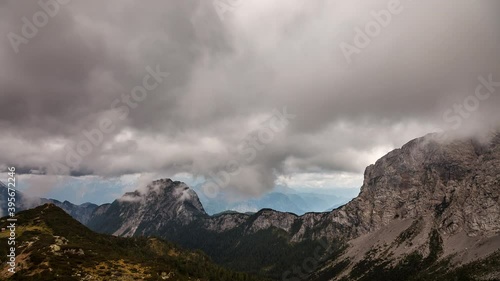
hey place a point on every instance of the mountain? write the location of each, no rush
(279, 201)
(81, 213)
(319, 202)
(294, 202)
(161, 207)
(23, 202)
(427, 211)
(333, 207)
(169, 209)
(51, 245)
(427, 208)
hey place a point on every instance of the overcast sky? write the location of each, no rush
(231, 67)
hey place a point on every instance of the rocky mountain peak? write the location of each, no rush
(167, 193)
(159, 205)
(427, 193)
(453, 182)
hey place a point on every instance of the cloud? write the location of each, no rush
(227, 77)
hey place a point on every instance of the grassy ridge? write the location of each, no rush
(53, 246)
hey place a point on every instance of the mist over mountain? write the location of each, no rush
(219, 82)
(424, 205)
(430, 209)
(250, 140)
(81, 213)
(284, 200)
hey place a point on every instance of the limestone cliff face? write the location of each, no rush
(457, 183)
(428, 199)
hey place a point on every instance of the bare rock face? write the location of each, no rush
(82, 213)
(160, 207)
(457, 183)
(429, 199)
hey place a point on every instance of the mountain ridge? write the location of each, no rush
(423, 180)
(51, 245)
(81, 213)
(425, 193)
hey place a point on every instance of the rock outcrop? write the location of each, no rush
(456, 183)
(162, 206)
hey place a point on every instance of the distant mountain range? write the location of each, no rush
(288, 201)
(427, 211)
(81, 213)
(283, 200)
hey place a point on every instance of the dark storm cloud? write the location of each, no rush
(227, 76)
